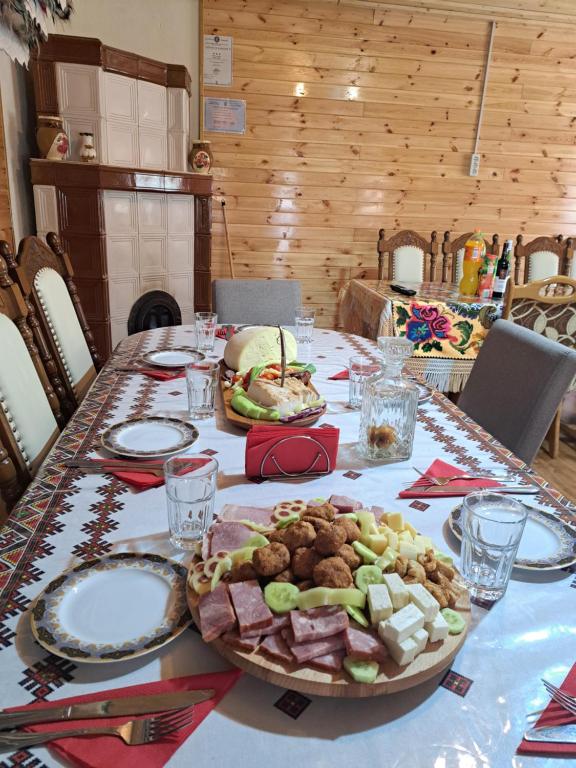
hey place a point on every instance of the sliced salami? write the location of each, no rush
(275, 646)
(216, 613)
(364, 645)
(303, 652)
(345, 504)
(318, 623)
(330, 662)
(252, 612)
(248, 644)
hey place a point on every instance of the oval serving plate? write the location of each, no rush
(547, 544)
(112, 608)
(149, 437)
(173, 357)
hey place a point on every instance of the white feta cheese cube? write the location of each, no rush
(423, 600)
(379, 602)
(402, 653)
(420, 637)
(401, 624)
(398, 592)
(408, 549)
(437, 629)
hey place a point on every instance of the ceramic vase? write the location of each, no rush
(201, 157)
(52, 139)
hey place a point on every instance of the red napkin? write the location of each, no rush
(554, 714)
(440, 468)
(96, 751)
(225, 332)
(141, 480)
(342, 376)
(274, 451)
(154, 373)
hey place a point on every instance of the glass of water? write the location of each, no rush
(190, 491)
(304, 324)
(359, 368)
(492, 526)
(201, 380)
(205, 329)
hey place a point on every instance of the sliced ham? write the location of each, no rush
(248, 644)
(330, 662)
(216, 613)
(318, 623)
(303, 652)
(228, 536)
(364, 645)
(252, 612)
(345, 504)
(278, 623)
(276, 647)
(233, 512)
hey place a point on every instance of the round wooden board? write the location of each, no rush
(392, 678)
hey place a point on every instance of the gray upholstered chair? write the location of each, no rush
(516, 386)
(262, 302)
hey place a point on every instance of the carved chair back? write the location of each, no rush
(45, 276)
(29, 408)
(540, 258)
(546, 306)
(407, 257)
(453, 254)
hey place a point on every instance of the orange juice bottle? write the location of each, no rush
(474, 252)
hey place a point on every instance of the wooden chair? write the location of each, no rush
(540, 258)
(29, 408)
(453, 254)
(548, 307)
(403, 256)
(45, 277)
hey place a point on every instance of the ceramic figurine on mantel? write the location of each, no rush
(201, 157)
(87, 149)
(51, 137)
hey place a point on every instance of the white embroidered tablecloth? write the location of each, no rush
(65, 518)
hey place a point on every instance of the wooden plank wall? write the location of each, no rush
(362, 116)
(6, 230)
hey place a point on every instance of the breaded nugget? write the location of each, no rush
(332, 572)
(277, 535)
(270, 560)
(318, 523)
(325, 511)
(284, 576)
(243, 571)
(304, 585)
(329, 540)
(348, 554)
(352, 530)
(304, 561)
(299, 534)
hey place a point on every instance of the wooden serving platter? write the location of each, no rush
(243, 422)
(392, 678)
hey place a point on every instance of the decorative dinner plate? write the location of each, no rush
(174, 357)
(112, 608)
(149, 437)
(547, 543)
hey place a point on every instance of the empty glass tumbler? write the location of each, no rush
(201, 381)
(205, 330)
(304, 321)
(360, 368)
(190, 491)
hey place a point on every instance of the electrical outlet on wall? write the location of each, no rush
(474, 164)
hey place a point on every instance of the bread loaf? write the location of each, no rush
(256, 346)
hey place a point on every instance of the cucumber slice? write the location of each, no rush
(257, 541)
(456, 623)
(350, 515)
(361, 671)
(365, 552)
(317, 596)
(281, 597)
(367, 574)
(284, 522)
(222, 567)
(257, 527)
(242, 554)
(357, 615)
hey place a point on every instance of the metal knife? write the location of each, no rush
(428, 490)
(133, 705)
(553, 734)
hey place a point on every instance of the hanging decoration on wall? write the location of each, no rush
(24, 24)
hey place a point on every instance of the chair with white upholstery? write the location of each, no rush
(404, 256)
(45, 277)
(29, 409)
(453, 254)
(262, 302)
(540, 258)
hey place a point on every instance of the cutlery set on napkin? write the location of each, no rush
(555, 731)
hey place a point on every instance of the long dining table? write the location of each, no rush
(470, 716)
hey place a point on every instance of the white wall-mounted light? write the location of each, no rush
(299, 89)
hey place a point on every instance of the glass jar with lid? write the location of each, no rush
(389, 406)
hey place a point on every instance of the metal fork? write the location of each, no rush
(464, 476)
(561, 697)
(133, 733)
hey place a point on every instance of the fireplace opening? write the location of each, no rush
(155, 309)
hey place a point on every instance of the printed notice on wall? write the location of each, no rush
(224, 115)
(217, 60)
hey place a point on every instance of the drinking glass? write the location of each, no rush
(201, 380)
(304, 324)
(492, 526)
(190, 492)
(359, 368)
(205, 330)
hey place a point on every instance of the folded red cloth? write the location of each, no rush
(97, 751)
(440, 468)
(554, 714)
(342, 376)
(278, 451)
(154, 373)
(138, 478)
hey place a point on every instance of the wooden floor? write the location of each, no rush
(561, 472)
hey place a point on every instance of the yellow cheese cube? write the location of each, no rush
(395, 521)
(419, 545)
(409, 527)
(408, 549)
(393, 539)
(405, 536)
(378, 542)
(387, 559)
(424, 541)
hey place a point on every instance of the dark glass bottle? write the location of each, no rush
(502, 270)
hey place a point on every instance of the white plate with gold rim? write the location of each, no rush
(149, 437)
(173, 357)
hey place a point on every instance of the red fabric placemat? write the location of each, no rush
(440, 468)
(154, 373)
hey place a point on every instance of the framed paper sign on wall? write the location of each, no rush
(217, 60)
(224, 115)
